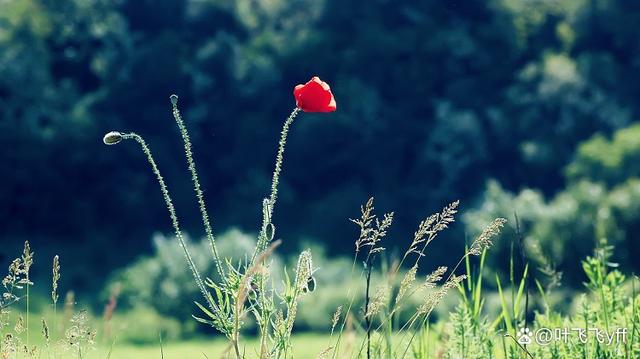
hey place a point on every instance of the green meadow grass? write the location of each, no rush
(305, 346)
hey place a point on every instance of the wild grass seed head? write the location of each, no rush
(80, 334)
(54, 279)
(429, 228)
(434, 277)
(378, 301)
(366, 218)
(19, 327)
(484, 240)
(13, 278)
(27, 260)
(434, 298)
(372, 229)
(406, 283)
(336, 317)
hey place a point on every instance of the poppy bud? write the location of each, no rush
(174, 99)
(112, 138)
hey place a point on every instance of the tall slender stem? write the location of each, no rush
(268, 205)
(196, 184)
(174, 217)
(367, 318)
(267, 229)
(27, 322)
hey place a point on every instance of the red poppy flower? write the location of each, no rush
(314, 96)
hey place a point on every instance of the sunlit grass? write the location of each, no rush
(304, 346)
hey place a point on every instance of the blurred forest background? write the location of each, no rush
(508, 105)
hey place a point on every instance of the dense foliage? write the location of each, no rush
(599, 206)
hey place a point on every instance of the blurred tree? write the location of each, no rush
(600, 204)
(433, 99)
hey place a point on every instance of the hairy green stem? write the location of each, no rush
(267, 229)
(196, 184)
(173, 216)
(263, 238)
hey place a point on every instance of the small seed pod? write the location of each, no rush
(112, 138)
(310, 286)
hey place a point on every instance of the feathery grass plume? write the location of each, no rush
(54, 280)
(27, 259)
(428, 229)
(196, 184)
(483, 241)
(335, 318)
(406, 283)
(364, 223)
(372, 231)
(371, 235)
(12, 281)
(172, 214)
(433, 299)
(19, 327)
(378, 301)
(454, 281)
(79, 336)
(434, 277)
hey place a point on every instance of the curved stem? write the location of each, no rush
(173, 216)
(269, 204)
(267, 229)
(196, 185)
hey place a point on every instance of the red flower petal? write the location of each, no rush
(314, 96)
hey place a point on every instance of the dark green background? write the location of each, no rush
(434, 99)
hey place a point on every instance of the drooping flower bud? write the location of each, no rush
(112, 138)
(174, 99)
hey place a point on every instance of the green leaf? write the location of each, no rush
(505, 309)
(205, 311)
(516, 307)
(204, 321)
